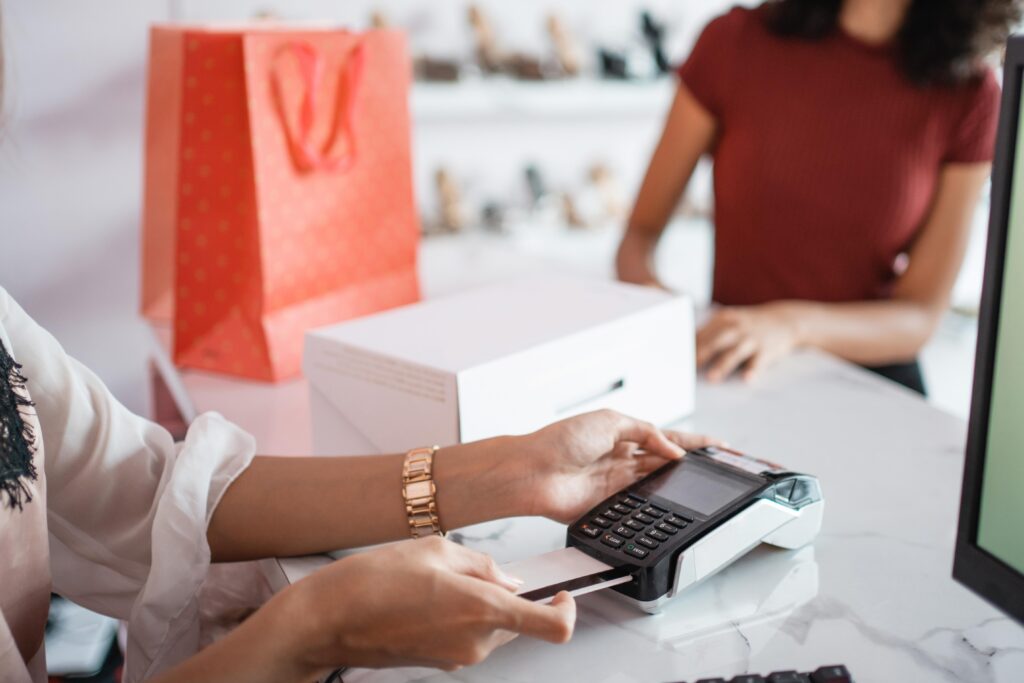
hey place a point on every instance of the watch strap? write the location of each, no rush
(419, 492)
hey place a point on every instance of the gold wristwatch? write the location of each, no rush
(418, 490)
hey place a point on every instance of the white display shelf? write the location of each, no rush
(499, 97)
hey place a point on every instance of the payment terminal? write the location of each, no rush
(678, 526)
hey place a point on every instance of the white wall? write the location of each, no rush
(70, 160)
(71, 155)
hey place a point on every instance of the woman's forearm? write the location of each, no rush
(295, 506)
(868, 332)
(689, 132)
(882, 332)
(634, 261)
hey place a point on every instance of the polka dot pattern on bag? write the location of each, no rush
(266, 249)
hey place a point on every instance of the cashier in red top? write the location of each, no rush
(850, 140)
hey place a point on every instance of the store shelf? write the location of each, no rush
(496, 98)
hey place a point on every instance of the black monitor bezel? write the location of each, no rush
(974, 567)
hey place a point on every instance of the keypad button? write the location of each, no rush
(612, 515)
(624, 532)
(658, 507)
(653, 511)
(657, 535)
(712, 680)
(588, 530)
(601, 522)
(667, 528)
(634, 525)
(641, 517)
(612, 541)
(622, 509)
(639, 499)
(677, 521)
(748, 678)
(835, 673)
(787, 677)
(636, 551)
(629, 502)
(647, 542)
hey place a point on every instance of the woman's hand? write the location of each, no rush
(427, 602)
(569, 466)
(748, 339)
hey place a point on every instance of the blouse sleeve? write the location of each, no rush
(707, 72)
(128, 508)
(973, 137)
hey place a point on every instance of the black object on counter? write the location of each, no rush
(835, 673)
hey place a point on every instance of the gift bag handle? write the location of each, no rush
(307, 156)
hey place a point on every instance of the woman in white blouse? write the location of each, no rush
(103, 507)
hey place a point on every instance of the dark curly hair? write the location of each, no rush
(941, 42)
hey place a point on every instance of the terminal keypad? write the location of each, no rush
(635, 526)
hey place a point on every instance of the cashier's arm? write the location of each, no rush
(689, 132)
(895, 330)
(750, 338)
(296, 506)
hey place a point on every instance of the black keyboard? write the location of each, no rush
(823, 674)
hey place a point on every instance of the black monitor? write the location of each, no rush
(989, 556)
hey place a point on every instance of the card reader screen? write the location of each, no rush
(700, 487)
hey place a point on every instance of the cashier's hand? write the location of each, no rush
(574, 464)
(427, 602)
(746, 339)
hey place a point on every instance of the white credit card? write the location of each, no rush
(567, 569)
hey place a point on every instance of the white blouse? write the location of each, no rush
(126, 512)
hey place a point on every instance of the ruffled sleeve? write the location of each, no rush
(128, 508)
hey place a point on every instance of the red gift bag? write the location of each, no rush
(281, 181)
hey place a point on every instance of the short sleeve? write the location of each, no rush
(706, 73)
(973, 136)
(127, 507)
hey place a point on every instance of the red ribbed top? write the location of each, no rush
(827, 158)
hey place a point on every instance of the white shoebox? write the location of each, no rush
(508, 358)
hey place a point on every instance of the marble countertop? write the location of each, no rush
(873, 592)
